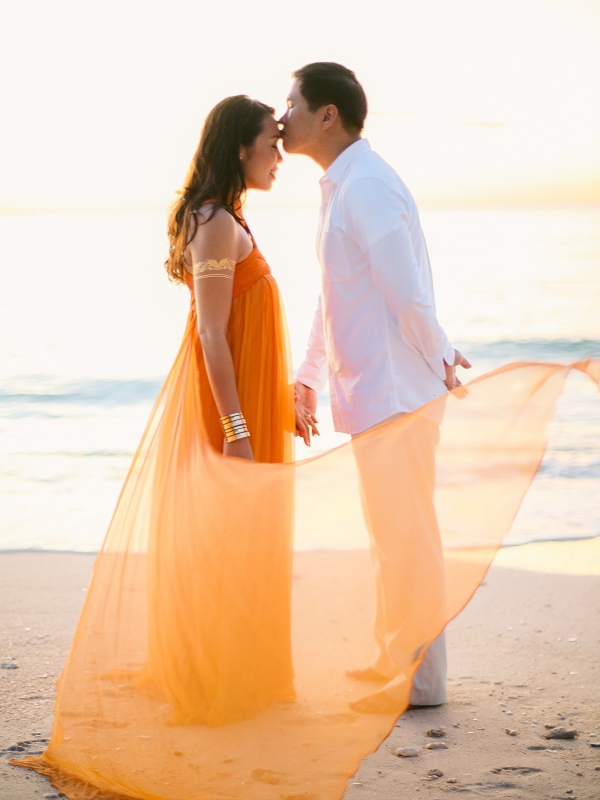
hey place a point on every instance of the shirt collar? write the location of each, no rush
(339, 166)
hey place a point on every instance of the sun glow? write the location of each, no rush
(473, 102)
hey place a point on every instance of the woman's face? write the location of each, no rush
(260, 162)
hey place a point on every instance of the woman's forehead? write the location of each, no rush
(270, 127)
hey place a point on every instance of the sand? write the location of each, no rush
(525, 653)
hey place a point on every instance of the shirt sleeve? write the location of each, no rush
(378, 223)
(313, 371)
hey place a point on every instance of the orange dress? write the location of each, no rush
(204, 655)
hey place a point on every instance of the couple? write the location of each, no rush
(375, 334)
(186, 631)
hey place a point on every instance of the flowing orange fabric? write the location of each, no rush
(179, 683)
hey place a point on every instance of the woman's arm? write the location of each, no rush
(214, 252)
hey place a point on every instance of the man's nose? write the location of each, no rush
(283, 119)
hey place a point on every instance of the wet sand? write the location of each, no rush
(524, 654)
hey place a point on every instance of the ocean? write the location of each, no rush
(89, 326)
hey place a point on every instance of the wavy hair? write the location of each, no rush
(215, 173)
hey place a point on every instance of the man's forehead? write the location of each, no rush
(294, 90)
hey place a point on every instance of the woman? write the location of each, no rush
(224, 657)
(242, 337)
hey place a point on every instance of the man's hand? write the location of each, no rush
(306, 407)
(308, 398)
(452, 381)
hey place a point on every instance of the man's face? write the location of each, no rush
(301, 127)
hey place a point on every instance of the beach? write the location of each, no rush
(523, 655)
(206, 602)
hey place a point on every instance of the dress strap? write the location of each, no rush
(238, 217)
(245, 226)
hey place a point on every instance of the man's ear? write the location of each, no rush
(329, 115)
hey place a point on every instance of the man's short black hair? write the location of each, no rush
(324, 83)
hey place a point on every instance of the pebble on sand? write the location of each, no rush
(407, 752)
(9, 665)
(436, 746)
(435, 773)
(264, 776)
(511, 732)
(561, 733)
(436, 733)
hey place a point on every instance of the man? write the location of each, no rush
(377, 338)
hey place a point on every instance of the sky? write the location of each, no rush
(474, 102)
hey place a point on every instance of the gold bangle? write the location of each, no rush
(233, 422)
(234, 426)
(234, 437)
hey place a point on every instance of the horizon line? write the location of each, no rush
(475, 204)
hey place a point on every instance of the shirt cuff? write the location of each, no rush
(312, 376)
(449, 354)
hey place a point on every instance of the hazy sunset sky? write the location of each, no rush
(473, 101)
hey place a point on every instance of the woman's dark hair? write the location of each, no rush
(324, 83)
(215, 173)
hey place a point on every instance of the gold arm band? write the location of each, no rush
(212, 265)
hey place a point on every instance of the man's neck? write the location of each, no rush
(330, 150)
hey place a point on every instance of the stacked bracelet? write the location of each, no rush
(234, 427)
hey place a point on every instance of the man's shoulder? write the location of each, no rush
(371, 170)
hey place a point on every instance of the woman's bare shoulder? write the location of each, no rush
(215, 237)
(213, 216)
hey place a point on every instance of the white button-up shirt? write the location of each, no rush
(375, 333)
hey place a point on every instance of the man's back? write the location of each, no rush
(383, 346)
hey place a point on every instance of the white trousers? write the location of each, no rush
(406, 551)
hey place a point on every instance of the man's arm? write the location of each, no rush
(379, 226)
(312, 375)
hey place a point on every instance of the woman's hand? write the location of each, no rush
(306, 423)
(240, 448)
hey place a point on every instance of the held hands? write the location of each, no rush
(452, 381)
(306, 407)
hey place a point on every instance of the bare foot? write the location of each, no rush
(376, 703)
(368, 674)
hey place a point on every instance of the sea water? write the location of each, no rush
(89, 326)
